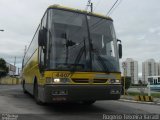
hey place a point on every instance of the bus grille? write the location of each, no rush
(89, 81)
(80, 80)
(99, 80)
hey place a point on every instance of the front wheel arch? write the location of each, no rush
(35, 87)
(35, 92)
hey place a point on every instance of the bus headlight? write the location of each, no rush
(114, 81)
(57, 80)
(117, 81)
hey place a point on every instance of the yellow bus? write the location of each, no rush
(73, 56)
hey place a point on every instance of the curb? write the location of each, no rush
(142, 102)
(144, 98)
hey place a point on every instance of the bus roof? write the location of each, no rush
(79, 11)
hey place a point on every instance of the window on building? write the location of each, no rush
(150, 80)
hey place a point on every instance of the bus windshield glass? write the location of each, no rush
(76, 40)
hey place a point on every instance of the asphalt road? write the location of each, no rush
(15, 104)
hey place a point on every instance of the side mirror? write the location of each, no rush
(42, 37)
(119, 48)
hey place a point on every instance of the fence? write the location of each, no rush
(10, 81)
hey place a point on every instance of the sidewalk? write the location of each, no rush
(132, 99)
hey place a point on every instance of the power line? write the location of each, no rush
(112, 7)
(101, 20)
(94, 25)
(115, 7)
(109, 12)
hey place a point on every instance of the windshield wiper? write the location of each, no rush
(101, 61)
(79, 56)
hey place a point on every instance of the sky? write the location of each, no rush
(136, 22)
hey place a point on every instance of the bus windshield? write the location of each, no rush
(72, 34)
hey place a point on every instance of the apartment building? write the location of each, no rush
(149, 68)
(131, 69)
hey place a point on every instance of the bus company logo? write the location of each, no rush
(9, 117)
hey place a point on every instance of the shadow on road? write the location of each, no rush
(75, 108)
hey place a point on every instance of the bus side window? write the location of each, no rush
(42, 54)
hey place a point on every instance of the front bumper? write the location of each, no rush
(54, 93)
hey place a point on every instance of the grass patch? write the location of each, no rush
(155, 95)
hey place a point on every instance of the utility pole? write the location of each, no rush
(91, 7)
(124, 65)
(14, 72)
(149, 88)
(90, 4)
(15, 65)
(1, 31)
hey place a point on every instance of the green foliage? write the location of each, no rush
(127, 82)
(3, 68)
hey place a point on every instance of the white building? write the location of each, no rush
(149, 68)
(159, 68)
(12, 69)
(131, 69)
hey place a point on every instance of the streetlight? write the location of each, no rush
(124, 65)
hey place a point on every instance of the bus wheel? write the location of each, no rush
(36, 97)
(90, 102)
(23, 87)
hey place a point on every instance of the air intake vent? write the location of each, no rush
(88, 81)
(80, 80)
(99, 80)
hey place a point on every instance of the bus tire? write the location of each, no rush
(117, 97)
(23, 87)
(35, 93)
(89, 102)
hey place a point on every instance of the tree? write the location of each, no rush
(127, 83)
(3, 68)
(142, 88)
